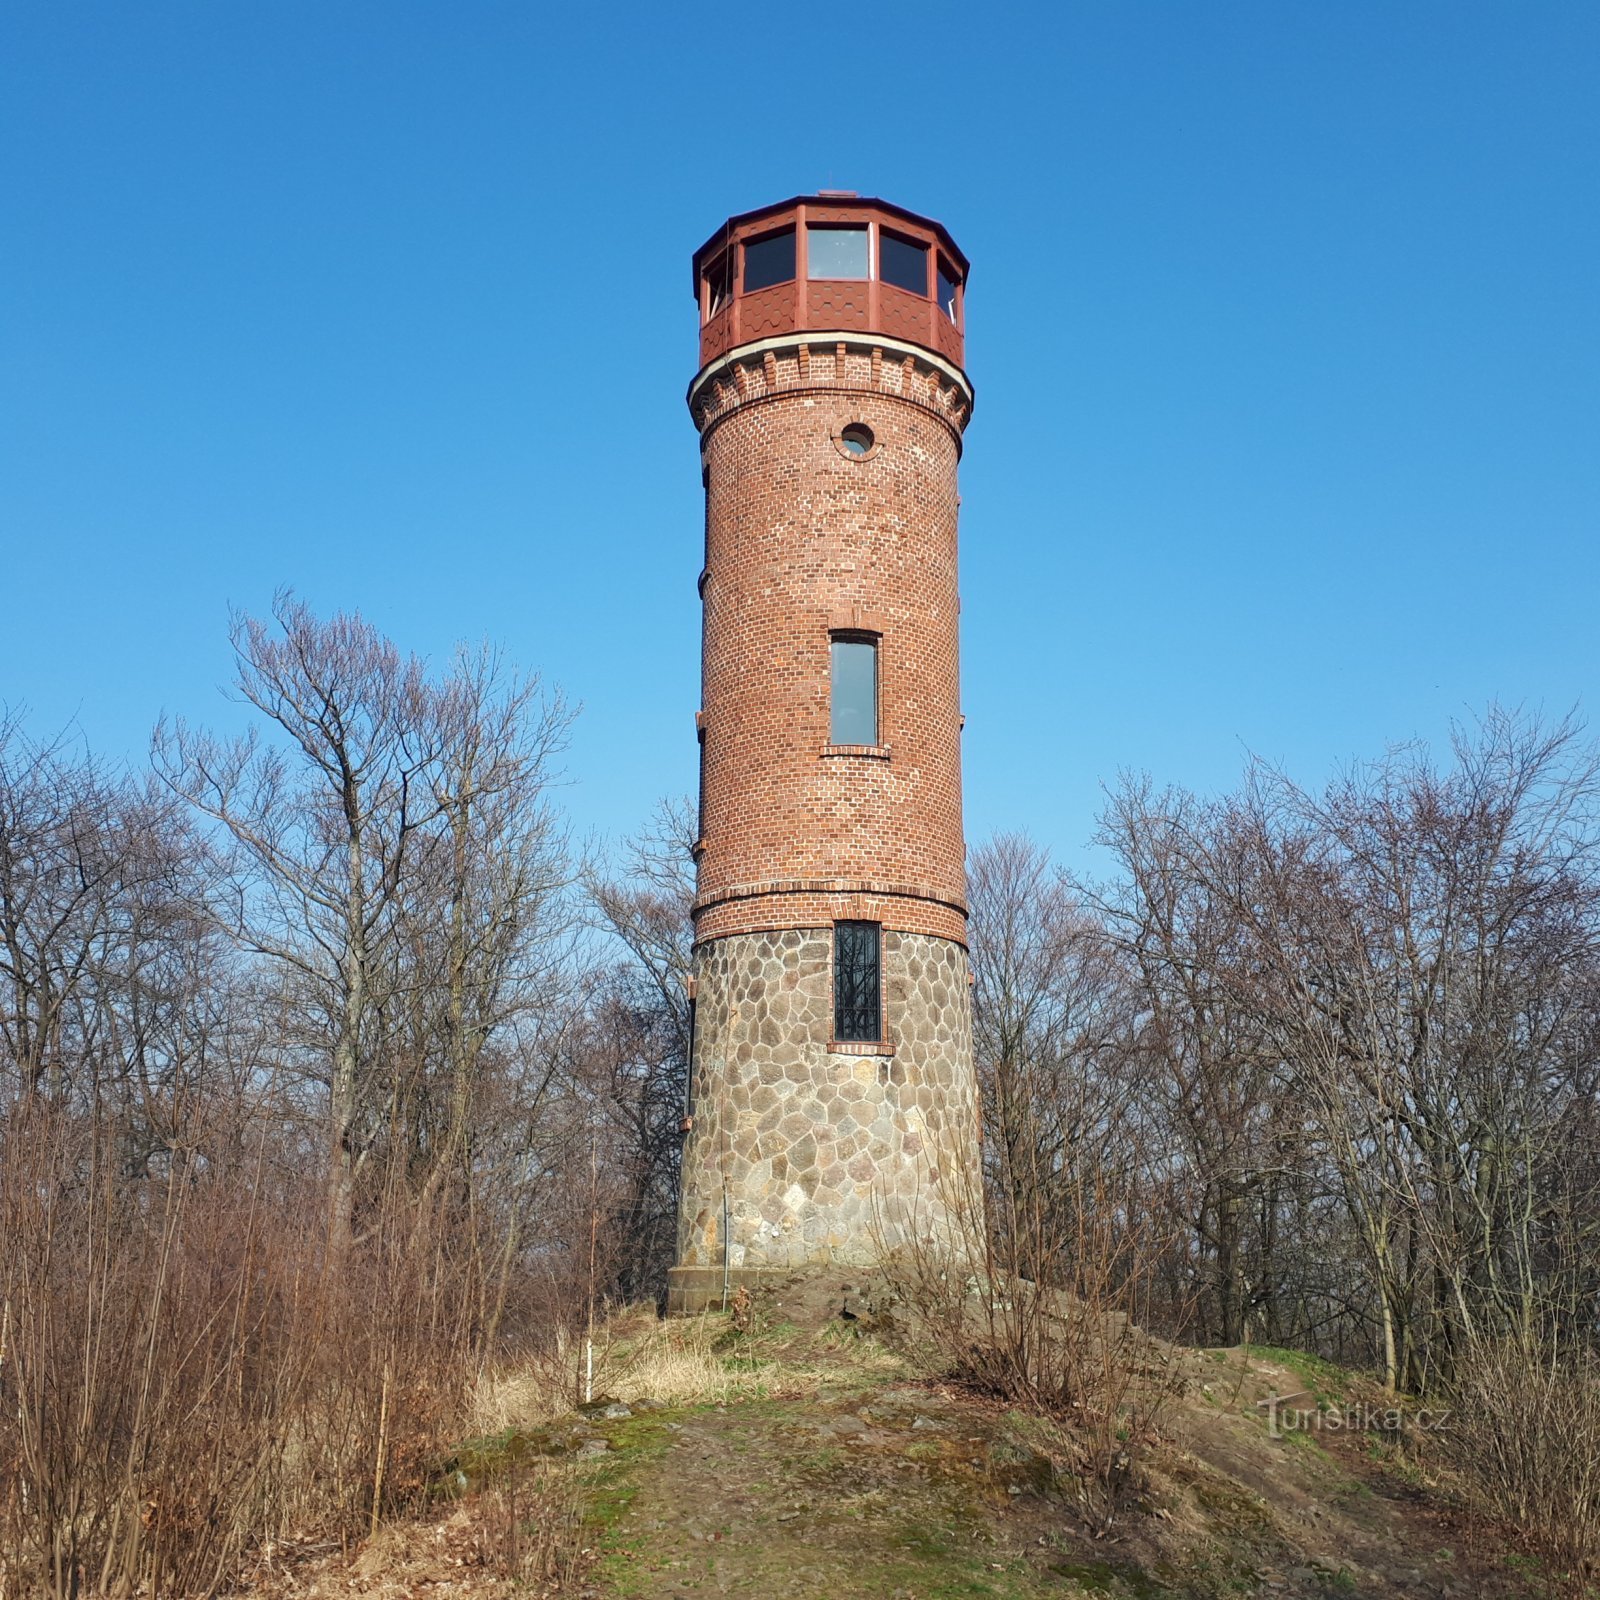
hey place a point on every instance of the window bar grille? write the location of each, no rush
(857, 1012)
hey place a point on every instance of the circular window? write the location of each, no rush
(856, 439)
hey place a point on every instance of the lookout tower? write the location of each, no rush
(832, 1102)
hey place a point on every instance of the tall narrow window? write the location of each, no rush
(690, 1068)
(719, 285)
(853, 717)
(857, 1010)
(945, 287)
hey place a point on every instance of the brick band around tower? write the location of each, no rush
(832, 1104)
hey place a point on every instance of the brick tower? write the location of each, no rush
(832, 1103)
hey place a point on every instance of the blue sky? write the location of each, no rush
(1283, 321)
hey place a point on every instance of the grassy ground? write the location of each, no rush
(807, 1457)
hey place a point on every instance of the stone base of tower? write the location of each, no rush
(814, 1152)
(691, 1290)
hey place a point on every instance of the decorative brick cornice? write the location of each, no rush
(872, 886)
(838, 363)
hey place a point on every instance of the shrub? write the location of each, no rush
(1524, 1440)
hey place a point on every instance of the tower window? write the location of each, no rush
(836, 252)
(718, 286)
(947, 284)
(853, 715)
(857, 439)
(903, 263)
(768, 261)
(857, 1009)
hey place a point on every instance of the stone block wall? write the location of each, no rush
(829, 1151)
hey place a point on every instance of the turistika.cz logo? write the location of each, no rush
(1288, 1413)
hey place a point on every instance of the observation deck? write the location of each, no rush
(833, 262)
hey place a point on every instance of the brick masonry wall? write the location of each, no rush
(803, 539)
(828, 1156)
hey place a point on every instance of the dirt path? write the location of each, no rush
(916, 1491)
(901, 1492)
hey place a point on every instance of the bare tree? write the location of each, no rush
(1426, 949)
(638, 1048)
(58, 881)
(323, 825)
(104, 934)
(1209, 1077)
(485, 917)
(1051, 1029)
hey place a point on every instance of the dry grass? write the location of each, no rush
(685, 1361)
(187, 1379)
(529, 1527)
(1063, 1338)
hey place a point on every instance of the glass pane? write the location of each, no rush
(769, 261)
(836, 252)
(903, 263)
(716, 286)
(855, 692)
(947, 291)
(857, 1013)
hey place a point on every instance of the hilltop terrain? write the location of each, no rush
(807, 1454)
